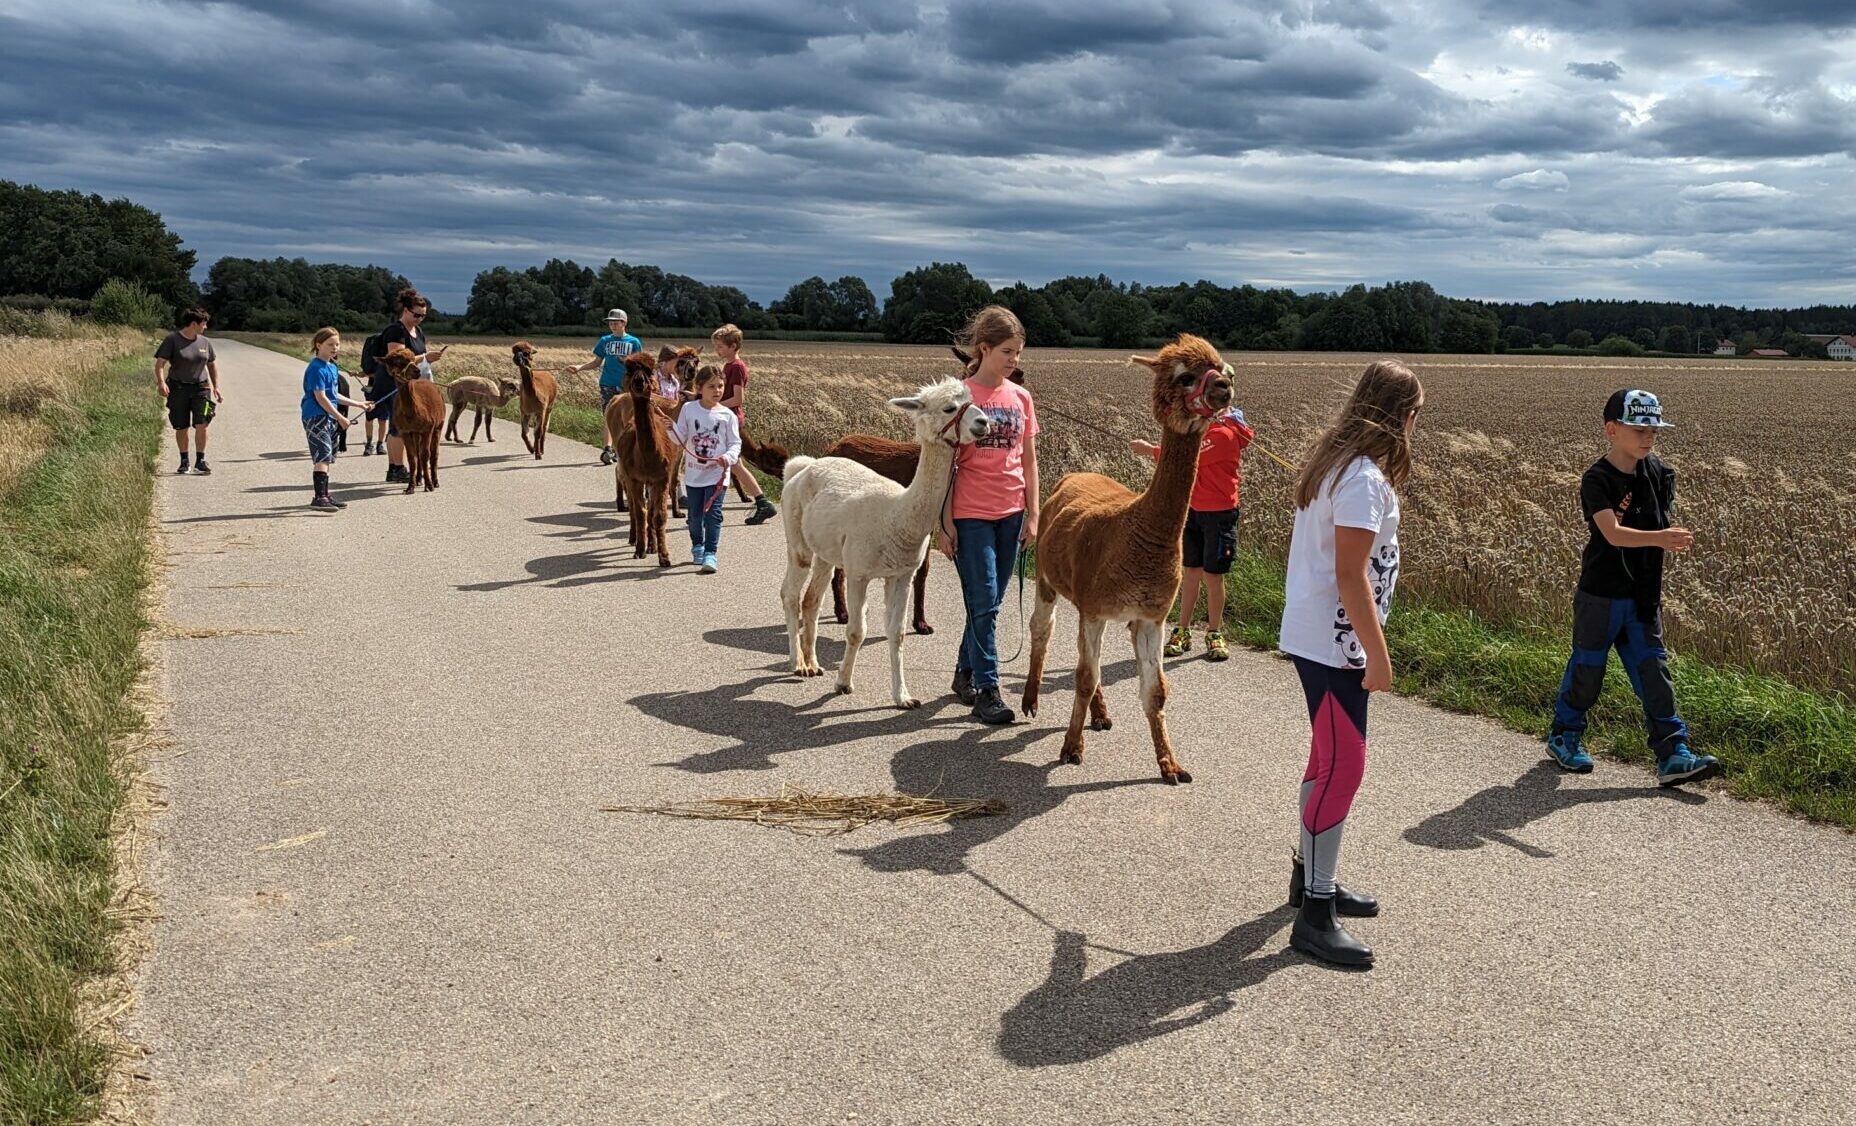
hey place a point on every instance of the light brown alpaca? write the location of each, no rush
(418, 414)
(647, 456)
(538, 394)
(1116, 555)
(481, 396)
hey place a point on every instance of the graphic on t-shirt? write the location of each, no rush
(615, 348)
(1007, 424)
(706, 439)
(1382, 574)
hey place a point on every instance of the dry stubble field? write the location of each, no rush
(1767, 478)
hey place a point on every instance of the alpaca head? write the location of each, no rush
(687, 361)
(1192, 384)
(768, 457)
(524, 354)
(401, 363)
(508, 388)
(640, 373)
(943, 411)
(966, 364)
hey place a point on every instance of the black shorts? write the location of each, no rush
(378, 390)
(189, 404)
(1211, 540)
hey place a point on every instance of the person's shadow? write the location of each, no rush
(1491, 815)
(1073, 1018)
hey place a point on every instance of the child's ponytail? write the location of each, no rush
(991, 326)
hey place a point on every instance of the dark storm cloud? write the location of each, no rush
(1606, 71)
(1303, 142)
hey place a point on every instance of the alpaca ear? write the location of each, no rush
(908, 405)
(1151, 363)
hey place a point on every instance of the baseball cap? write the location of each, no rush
(1635, 408)
(617, 315)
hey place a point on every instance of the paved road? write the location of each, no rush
(436, 693)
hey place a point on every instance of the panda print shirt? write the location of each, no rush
(1314, 623)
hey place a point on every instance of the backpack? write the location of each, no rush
(371, 351)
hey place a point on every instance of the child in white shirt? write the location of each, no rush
(711, 439)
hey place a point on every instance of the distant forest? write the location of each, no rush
(59, 248)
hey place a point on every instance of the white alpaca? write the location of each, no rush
(840, 514)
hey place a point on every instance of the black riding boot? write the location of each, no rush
(1352, 904)
(1318, 934)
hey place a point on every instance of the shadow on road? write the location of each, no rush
(1490, 816)
(284, 512)
(1073, 1018)
(582, 568)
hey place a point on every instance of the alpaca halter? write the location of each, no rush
(1196, 402)
(953, 424)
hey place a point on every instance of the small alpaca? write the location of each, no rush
(839, 513)
(646, 464)
(1116, 555)
(539, 390)
(481, 395)
(418, 414)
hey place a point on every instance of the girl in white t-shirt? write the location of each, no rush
(711, 439)
(1343, 564)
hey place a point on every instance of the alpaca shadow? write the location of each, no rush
(973, 763)
(487, 459)
(601, 524)
(580, 568)
(762, 729)
(772, 640)
(1490, 815)
(1073, 1018)
(283, 512)
(542, 465)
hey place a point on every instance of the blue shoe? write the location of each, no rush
(696, 554)
(1685, 765)
(1566, 751)
(708, 563)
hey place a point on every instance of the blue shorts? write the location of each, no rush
(607, 394)
(321, 433)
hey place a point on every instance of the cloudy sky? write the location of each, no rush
(1682, 149)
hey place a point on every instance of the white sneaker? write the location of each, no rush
(708, 564)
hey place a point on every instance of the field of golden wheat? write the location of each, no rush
(1767, 476)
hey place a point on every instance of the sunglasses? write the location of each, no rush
(418, 316)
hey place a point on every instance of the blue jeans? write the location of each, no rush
(1599, 625)
(705, 519)
(984, 552)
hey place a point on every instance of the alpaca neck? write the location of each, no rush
(1169, 494)
(923, 498)
(646, 422)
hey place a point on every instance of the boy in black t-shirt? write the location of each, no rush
(1626, 496)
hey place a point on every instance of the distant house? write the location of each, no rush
(1842, 348)
(1820, 337)
(1771, 353)
(1725, 348)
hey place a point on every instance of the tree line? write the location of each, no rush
(61, 248)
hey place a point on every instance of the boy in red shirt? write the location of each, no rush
(1211, 531)
(727, 341)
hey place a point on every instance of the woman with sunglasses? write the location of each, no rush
(406, 330)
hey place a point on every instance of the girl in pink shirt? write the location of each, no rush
(993, 513)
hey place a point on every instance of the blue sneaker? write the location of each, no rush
(696, 555)
(1684, 765)
(1565, 749)
(708, 563)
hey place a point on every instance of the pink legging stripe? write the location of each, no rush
(1336, 763)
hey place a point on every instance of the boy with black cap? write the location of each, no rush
(1626, 497)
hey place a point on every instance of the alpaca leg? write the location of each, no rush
(792, 591)
(921, 599)
(1042, 615)
(895, 610)
(676, 488)
(1147, 642)
(808, 613)
(522, 430)
(413, 467)
(431, 465)
(856, 590)
(451, 427)
(488, 417)
(638, 496)
(660, 509)
(1088, 676)
(838, 611)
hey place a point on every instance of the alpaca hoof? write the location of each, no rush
(843, 689)
(1071, 755)
(1029, 705)
(408, 492)
(1175, 776)
(923, 628)
(908, 703)
(1103, 724)
(842, 617)
(663, 561)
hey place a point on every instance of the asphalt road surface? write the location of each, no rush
(389, 894)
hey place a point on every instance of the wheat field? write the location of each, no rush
(1766, 475)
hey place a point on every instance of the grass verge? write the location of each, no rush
(74, 561)
(1775, 741)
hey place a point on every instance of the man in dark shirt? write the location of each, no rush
(1626, 497)
(187, 376)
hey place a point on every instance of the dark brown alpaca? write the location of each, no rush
(1115, 555)
(419, 415)
(539, 391)
(647, 461)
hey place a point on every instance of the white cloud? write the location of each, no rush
(1734, 191)
(1539, 180)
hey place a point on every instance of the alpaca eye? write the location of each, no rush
(1185, 379)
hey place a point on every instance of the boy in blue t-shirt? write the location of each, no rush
(610, 353)
(322, 414)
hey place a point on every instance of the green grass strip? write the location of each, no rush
(1775, 741)
(73, 566)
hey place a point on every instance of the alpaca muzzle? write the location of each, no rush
(1200, 401)
(954, 424)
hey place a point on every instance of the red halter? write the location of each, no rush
(1196, 402)
(954, 422)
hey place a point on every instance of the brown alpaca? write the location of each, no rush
(619, 413)
(647, 456)
(418, 414)
(1116, 555)
(480, 396)
(539, 391)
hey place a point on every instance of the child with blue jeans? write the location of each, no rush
(609, 352)
(994, 506)
(1626, 497)
(711, 440)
